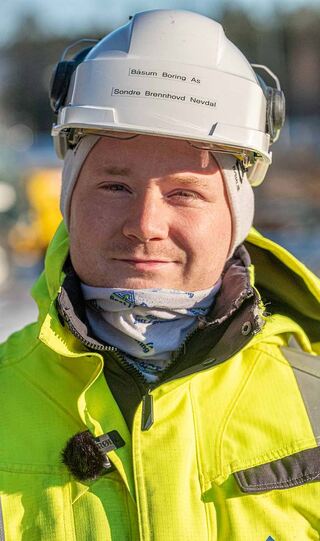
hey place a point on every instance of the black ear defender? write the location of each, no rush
(86, 457)
(276, 103)
(61, 76)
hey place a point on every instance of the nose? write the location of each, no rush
(147, 219)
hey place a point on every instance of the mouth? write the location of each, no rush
(144, 264)
(138, 260)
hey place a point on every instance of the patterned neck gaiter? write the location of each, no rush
(147, 325)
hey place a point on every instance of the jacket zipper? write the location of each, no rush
(130, 368)
(74, 331)
(178, 355)
(147, 417)
(147, 400)
(147, 411)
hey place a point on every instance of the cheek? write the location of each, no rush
(222, 233)
(222, 224)
(208, 233)
(90, 217)
(83, 204)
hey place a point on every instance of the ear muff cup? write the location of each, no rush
(276, 108)
(59, 84)
(276, 111)
(61, 77)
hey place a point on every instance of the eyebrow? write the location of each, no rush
(188, 180)
(191, 180)
(117, 171)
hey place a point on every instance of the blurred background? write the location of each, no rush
(283, 34)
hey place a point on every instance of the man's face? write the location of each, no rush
(149, 212)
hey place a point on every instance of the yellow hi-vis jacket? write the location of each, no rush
(231, 453)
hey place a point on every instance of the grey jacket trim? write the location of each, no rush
(2, 535)
(306, 369)
(291, 471)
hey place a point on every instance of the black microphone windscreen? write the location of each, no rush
(83, 457)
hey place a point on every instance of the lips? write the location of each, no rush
(144, 264)
(133, 260)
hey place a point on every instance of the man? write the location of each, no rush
(169, 390)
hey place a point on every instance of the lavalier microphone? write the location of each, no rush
(86, 456)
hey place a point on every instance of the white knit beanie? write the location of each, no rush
(73, 162)
(239, 191)
(240, 196)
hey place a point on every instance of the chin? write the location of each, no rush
(141, 283)
(134, 279)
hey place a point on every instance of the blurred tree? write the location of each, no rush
(31, 59)
(289, 43)
(303, 46)
(242, 30)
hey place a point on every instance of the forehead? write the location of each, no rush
(165, 154)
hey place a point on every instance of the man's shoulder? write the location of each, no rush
(270, 410)
(19, 345)
(270, 257)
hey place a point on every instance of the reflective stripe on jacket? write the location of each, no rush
(232, 452)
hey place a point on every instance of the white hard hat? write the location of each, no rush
(169, 73)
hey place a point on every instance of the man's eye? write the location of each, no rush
(185, 194)
(115, 187)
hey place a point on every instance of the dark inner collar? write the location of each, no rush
(235, 295)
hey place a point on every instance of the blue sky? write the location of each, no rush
(62, 16)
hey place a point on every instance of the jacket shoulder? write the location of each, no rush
(19, 345)
(301, 467)
(306, 369)
(275, 411)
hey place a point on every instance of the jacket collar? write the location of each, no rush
(285, 282)
(232, 321)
